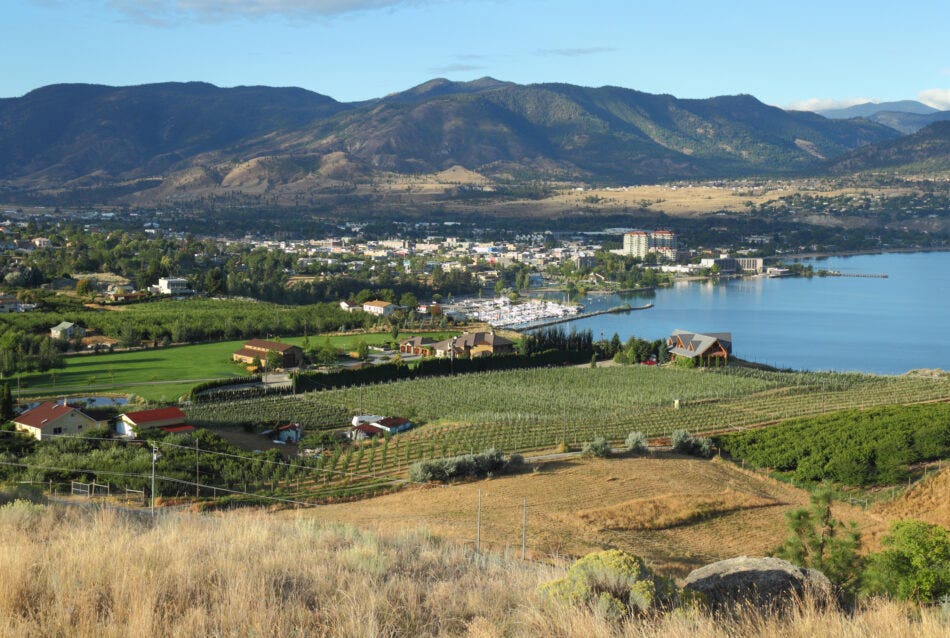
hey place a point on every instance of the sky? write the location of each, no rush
(803, 54)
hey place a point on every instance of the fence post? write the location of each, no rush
(478, 525)
(524, 527)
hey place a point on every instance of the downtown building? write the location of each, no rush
(640, 243)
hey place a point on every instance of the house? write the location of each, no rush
(380, 426)
(170, 420)
(173, 286)
(393, 424)
(432, 309)
(349, 306)
(287, 433)
(66, 330)
(9, 303)
(474, 344)
(423, 346)
(53, 419)
(379, 308)
(704, 349)
(363, 431)
(290, 356)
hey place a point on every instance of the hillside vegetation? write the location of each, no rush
(98, 573)
(187, 140)
(869, 447)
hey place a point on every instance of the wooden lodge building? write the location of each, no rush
(704, 349)
(291, 356)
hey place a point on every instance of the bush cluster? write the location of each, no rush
(614, 583)
(685, 443)
(636, 442)
(599, 447)
(464, 466)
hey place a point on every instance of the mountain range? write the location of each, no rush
(926, 150)
(905, 116)
(195, 136)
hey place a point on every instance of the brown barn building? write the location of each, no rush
(291, 356)
(423, 346)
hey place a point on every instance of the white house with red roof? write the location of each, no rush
(52, 419)
(380, 426)
(170, 420)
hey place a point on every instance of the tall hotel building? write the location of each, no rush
(640, 243)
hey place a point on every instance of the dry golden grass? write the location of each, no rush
(670, 510)
(928, 500)
(100, 574)
(679, 200)
(562, 491)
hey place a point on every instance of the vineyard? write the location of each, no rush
(535, 409)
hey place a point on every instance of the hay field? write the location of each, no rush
(712, 510)
(681, 200)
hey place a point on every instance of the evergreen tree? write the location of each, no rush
(824, 543)
(6, 402)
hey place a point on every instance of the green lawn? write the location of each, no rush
(165, 368)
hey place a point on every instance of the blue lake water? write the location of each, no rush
(885, 326)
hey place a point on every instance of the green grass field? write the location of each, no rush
(165, 373)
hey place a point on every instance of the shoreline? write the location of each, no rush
(856, 253)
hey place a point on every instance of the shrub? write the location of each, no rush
(915, 563)
(466, 465)
(515, 463)
(685, 443)
(599, 447)
(636, 442)
(613, 583)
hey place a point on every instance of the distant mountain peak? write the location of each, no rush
(867, 109)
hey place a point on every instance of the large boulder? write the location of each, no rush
(764, 583)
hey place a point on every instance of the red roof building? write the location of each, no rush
(53, 419)
(163, 418)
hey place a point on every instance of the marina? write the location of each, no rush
(501, 312)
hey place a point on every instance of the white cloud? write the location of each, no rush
(171, 11)
(937, 98)
(576, 52)
(824, 104)
(458, 67)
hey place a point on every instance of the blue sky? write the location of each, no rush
(784, 53)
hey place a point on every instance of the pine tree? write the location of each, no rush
(6, 402)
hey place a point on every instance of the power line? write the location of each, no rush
(143, 443)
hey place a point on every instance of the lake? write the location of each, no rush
(885, 326)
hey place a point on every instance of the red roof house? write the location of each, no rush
(166, 419)
(53, 419)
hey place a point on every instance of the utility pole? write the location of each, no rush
(524, 527)
(154, 459)
(478, 525)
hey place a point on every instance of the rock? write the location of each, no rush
(765, 583)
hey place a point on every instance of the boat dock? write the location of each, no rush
(838, 273)
(584, 315)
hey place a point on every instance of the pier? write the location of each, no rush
(585, 315)
(838, 273)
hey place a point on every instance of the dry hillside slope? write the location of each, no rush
(678, 513)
